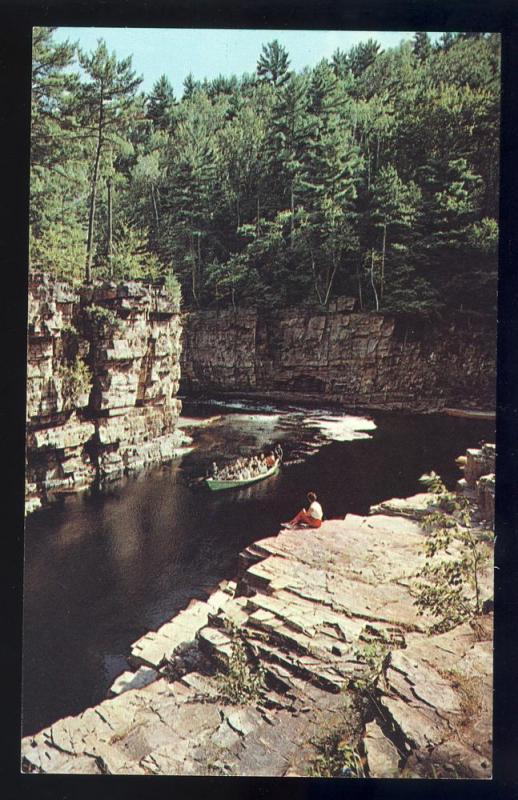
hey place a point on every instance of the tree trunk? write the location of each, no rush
(199, 262)
(193, 270)
(292, 205)
(359, 279)
(382, 281)
(258, 226)
(373, 283)
(330, 281)
(93, 194)
(110, 229)
(155, 209)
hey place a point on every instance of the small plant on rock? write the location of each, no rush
(102, 320)
(243, 681)
(336, 758)
(372, 655)
(76, 381)
(449, 587)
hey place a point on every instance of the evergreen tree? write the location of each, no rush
(422, 48)
(375, 173)
(160, 103)
(106, 103)
(190, 87)
(273, 64)
(329, 183)
(340, 63)
(362, 56)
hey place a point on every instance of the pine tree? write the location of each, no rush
(287, 137)
(187, 201)
(190, 87)
(329, 180)
(393, 213)
(160, 103)
(273, 64)
(106, 104)
(422, 47)
(363, 55)
(340, 63)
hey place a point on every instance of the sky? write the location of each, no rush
(207, 53)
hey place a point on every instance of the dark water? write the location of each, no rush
(103, 569)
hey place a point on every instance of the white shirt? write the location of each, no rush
(315, 510)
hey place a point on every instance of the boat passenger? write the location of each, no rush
(270, 460)
(311, 517)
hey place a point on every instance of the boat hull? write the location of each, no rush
(219, 486)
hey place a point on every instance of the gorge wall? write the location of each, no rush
(102, 376)
(358, 359)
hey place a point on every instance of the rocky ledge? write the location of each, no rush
(317, 645)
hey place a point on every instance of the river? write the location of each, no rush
(104, 568)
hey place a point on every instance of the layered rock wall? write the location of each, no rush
(357, 359)
(102, 376)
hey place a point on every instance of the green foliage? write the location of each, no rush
(173, 288)
(373, 656)
(242, 681)
(336, 757)
(76, 382)
(374, 174)
(102, 320)
(131, 259)
(273, 64)
(449, 585)
(60, 251)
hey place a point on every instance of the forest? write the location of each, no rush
(371, 175)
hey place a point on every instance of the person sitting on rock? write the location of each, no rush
(311, 517)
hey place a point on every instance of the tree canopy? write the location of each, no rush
(372, 175)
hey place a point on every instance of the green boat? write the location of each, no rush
(217, 486)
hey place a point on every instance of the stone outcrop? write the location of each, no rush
(358, 359)
(322, 612)
(119, 414)
(478, 466)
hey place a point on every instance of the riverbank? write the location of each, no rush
(318, 642)
(332, 401)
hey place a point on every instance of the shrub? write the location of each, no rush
(450, 587)
(102, 320)
(173, 288)
(76, 380)
(336, 758)
(242, 681)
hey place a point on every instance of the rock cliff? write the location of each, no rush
(357, 359)
(102, 376)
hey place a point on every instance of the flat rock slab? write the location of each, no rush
(415, 507)
(306, 609)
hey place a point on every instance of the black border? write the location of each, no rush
(16, 19)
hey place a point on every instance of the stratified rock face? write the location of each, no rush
(128, 338)
(354, 358)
